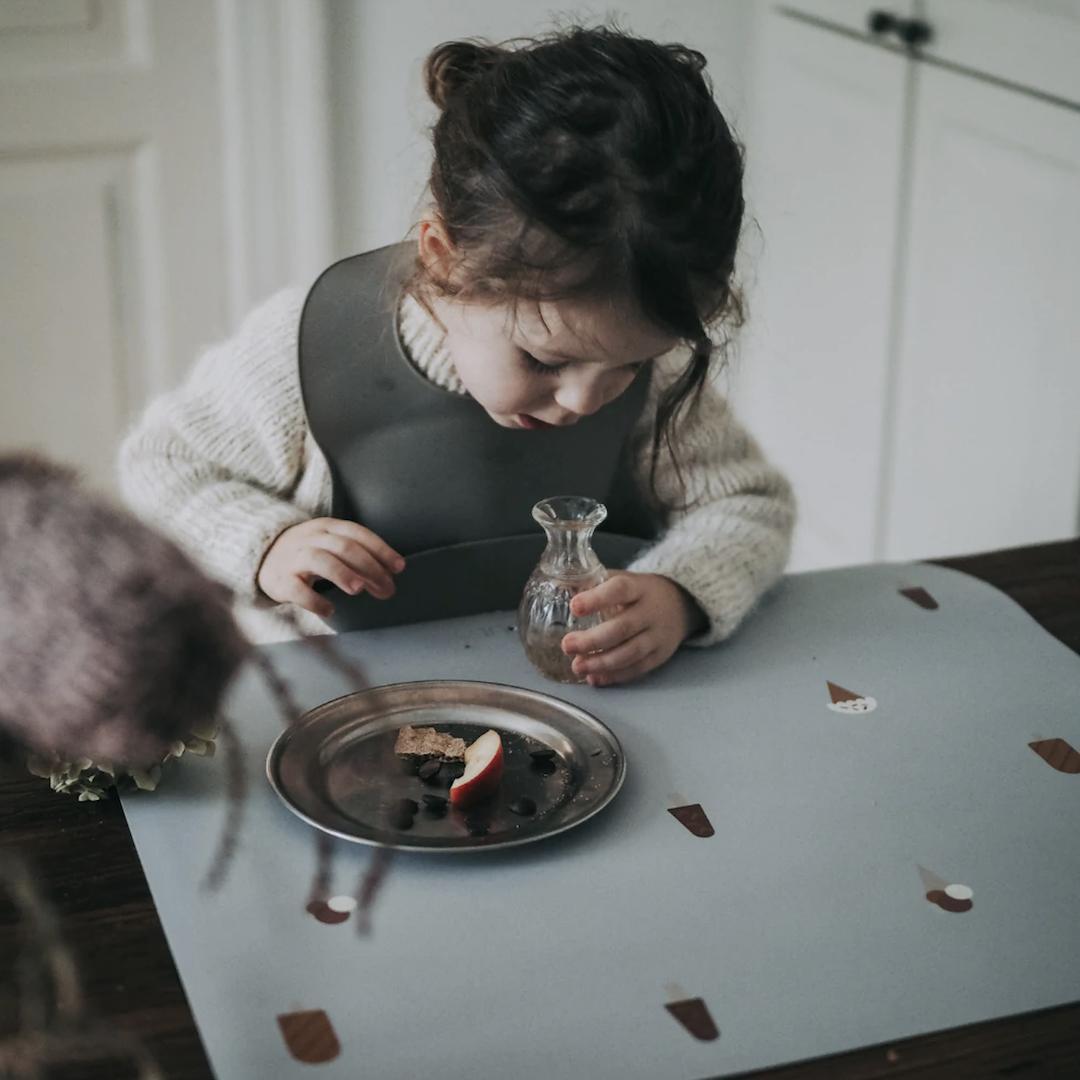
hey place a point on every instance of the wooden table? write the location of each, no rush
(86, 863)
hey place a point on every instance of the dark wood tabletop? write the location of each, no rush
(86, 866)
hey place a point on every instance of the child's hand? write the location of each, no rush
(342, 552)
(652, 618)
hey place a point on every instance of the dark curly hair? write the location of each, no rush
(589, 161)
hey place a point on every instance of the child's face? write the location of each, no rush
(550, 363)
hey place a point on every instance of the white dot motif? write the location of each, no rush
(857, 705)
(343, 903)
(959, 892)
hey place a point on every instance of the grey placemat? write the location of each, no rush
(802, 923)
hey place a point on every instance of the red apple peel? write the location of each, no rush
(483, 771)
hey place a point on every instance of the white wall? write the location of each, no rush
(380, 113)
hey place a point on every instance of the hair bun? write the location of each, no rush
(692, 58)
(453, 65)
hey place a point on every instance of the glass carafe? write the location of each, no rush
(568, 566)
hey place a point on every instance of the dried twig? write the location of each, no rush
(54, 1029)
(282, 693)
(234, 812)
(377, 869)
(324, 866)
(24, 1056)
(157, 646)
(370, 882)
(48, 954)
(328, 645)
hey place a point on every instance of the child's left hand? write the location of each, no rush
(652, 617)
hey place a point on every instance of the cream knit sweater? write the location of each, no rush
(226, 462)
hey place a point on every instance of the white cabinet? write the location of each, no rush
(1030, 44)
(823, 174)
(987, 406)
(852, 15)
(912, 357)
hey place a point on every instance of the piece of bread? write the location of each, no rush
(428, 743)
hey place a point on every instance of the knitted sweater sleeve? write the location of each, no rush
(224, 463)
(730, 537)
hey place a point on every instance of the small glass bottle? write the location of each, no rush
(568, 566)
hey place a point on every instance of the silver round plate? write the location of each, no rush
(336, 767)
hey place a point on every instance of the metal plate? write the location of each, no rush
(336, 767)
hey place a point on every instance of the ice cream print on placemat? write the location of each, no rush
(918, 595)
(335, 910)
(848, 701)
(1058, 754)
(952, 897)
(692, 1013)
(309, 1036)
(321, 904)
(692, 815)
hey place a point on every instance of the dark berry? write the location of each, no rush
(429, 771)
(523, 806)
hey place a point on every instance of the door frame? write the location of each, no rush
(275, 129)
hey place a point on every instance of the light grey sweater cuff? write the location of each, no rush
(727, 584)
(239, 543)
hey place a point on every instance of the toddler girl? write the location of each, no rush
(369, 449)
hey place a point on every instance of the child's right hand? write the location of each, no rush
(342, 552)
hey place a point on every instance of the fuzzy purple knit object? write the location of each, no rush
(113, 643)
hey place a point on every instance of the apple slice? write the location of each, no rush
(483, 771)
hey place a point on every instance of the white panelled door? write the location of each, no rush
(112, 237)
(823, 184)
(987, 432)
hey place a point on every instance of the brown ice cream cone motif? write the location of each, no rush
(694, 818)
(947, 901)
(1058, 754)
(847, 701)
(310, 1036)
(955, 898)
(694, 1015)
(325, 913)
(930, 880)
(921, 597)
(838, 693)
